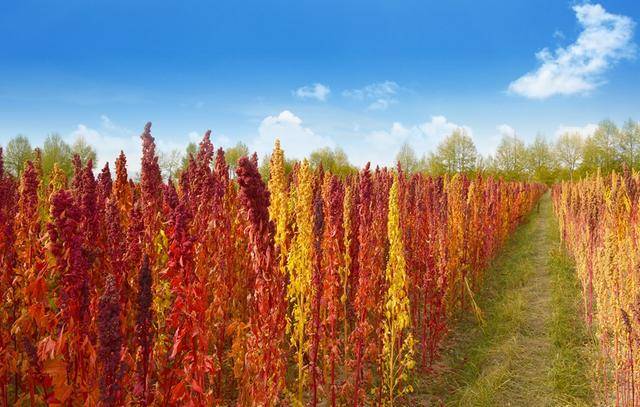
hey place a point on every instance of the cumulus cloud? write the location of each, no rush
(316, 91)
(605, 39)
(383, 145)
(585, 131)
(380, 94)
(297, 140)
(439, 127)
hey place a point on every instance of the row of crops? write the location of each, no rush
(306, 290)
(600, 224)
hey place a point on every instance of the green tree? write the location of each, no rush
(408, 159)
(17, 153)
(599, 151)
(191, 150)
(511, 158)
(484, 164)
(233, 154)
(334, 161)
(84, 150)
(628, 144)
(265, 162)
(56, 150)
(171, 163)
(455, 154)
(540, 161)
(568, 152)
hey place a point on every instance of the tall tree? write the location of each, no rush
(191, 150)
(456, 154)
(540, 161)
(265, 166)
(628, 144)
(569, 148)
(334, 161)
(85, 151)
(599, 152)
(233, 154)
(56, 151)
(408, 159)
(17, 153)
(511, 158)
(171, 163)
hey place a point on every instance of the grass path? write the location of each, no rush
(533, 349)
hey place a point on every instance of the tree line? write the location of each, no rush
(571, 155)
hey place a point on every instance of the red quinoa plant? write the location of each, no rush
(167, 292)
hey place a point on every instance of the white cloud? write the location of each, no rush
(383, 145)
(506, 131)
(491, 142)
(381, 94)
(194, 137)
(584, 131)
(381, 104)
(439, 127)
(108, 124)
(605, 39)
(297, 141)
(316, 91)
(374, 90)
(108, 140)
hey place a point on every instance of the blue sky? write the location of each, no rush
(364, 75)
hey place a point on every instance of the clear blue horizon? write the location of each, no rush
(366, 76)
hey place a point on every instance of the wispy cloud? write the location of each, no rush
(380, 104)
(558, 35)
(380, 95)
(605, 39)
(316, 91)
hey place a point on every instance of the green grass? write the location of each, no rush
(533, 349)
(573, 346)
